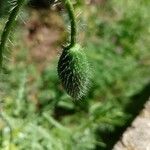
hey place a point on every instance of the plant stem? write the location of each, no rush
(70, 11)
(7, 28)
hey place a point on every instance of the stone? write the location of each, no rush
(137, 137)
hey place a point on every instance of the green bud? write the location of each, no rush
(73, 71)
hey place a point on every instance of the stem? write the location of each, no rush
(70, 11)
(7, 28)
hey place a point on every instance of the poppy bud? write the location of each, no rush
(73, 71)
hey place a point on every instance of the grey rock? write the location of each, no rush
(137, 137)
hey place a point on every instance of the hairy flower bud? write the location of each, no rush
(73, 71)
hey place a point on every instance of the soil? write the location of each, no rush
(44, 35)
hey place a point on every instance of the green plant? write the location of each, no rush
(74, 74)
(5, 34)
(120, 69)
(4, 7)
(73, 69)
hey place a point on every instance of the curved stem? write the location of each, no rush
(70, 11)
(7, 28)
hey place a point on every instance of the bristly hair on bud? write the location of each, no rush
(73, 71)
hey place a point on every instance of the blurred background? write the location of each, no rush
(36, 113)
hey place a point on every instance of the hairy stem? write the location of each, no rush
(7, 28)
(70, 11)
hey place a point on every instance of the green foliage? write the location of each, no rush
(43, 117)
(9, 24)
(4, 7)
